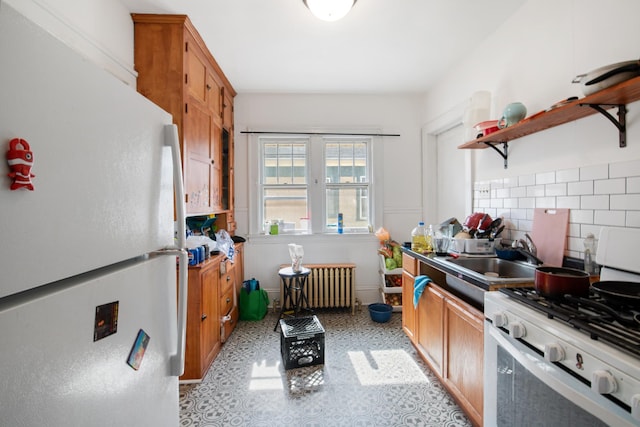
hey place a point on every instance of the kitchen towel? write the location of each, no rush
(419, 284)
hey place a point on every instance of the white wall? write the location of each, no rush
(100, 30)
(532, 58)
(401, 176)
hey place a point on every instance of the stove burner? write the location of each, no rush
(617, 325)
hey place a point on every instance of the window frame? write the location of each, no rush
(357, 184)
(316, 180)
(263, 141)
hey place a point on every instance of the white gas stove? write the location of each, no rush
(569, 359)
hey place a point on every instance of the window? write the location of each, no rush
(284, 181)
(306, 181)
(346, 164)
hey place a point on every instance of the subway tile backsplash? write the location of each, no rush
(597, 196)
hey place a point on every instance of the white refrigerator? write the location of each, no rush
(92, 320)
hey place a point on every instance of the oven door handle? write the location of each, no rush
(559, 380)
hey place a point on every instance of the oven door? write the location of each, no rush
(522, 388)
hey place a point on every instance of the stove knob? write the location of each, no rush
(517, 330)
(553, 352)
(603, 382)
(635, 406)
(499, 320)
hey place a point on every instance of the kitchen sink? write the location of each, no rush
(491, 270)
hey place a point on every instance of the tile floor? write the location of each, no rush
(372, 376)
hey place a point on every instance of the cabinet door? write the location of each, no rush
(408, 310)
(198, 168)
(430, 329)
(210, 318)
(239, 266)
(216, 169)
(202, 163)
(214, 98)
(227, 110)
(226, 170)
(196, 78)
(464, 366)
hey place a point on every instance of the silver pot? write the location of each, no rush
(609, 75)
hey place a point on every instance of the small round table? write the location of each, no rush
(293, 281)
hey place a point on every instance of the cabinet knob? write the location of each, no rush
(228, 278)
(204, 316)
(228, 299)
(208, 87)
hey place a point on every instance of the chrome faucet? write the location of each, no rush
(528, 249)
(531, 247)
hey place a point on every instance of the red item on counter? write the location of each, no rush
(478, 221)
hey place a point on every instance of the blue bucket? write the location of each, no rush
(380, 312)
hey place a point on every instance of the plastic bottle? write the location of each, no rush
(419, 239)
(590, 265)
(430, 235)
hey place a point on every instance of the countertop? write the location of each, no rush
(465, 286)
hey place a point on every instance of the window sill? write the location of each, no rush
(307, 236)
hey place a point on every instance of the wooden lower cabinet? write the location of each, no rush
(409, 273)
(430, 334)
(203, 319)
(229, 313)
(408, 311)
(449, 336)
(464, 338)
(212, 310)
(239, 265)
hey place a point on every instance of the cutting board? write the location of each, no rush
(549, 234)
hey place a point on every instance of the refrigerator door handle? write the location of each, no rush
(171, 140)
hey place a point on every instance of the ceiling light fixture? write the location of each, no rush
(329, 10)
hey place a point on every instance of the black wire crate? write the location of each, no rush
(301, 342)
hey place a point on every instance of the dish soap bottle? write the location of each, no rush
(590, 265)
(419, 239)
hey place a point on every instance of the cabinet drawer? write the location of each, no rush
(229, 324)
(226, 302)
(410, 264)
(227, 279)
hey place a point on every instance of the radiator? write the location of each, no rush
(329, 286)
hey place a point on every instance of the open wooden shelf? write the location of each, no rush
(617, 96)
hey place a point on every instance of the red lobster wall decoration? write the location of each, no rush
(20, 159)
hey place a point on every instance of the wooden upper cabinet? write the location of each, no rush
(196, 74)
(227, 110)
(178, 73)
(199, 141)
(215, 91)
